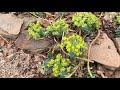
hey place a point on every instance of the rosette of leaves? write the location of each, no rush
(35, 30)
(74, 44)
(60, 66)
(117, 31)
(38, 14)
(86, 21)
(58, 28)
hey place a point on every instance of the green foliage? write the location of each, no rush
(57, 28)
(61, 14)
(60, 66)
(86, 21)
(38, 14)
(35, 30)
(74, 45)
(118, 19)
(117, 32)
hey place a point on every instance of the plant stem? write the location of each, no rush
(88, 63)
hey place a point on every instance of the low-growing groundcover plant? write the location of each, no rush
(35, 30)
(60, 66)
(74, 45)
(58, 28)
(38, 14)
(86, 21)
(117, 31)
(118, 19)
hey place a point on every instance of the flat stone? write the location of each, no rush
(27, 21)
(45, 22)
(109, 16)
(105, 52)
(25, 42)
(10, 25)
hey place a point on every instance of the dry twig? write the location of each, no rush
(88, 63)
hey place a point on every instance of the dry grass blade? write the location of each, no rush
(74, 70)
(88, 64)
(4, 39)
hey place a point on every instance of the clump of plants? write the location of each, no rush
(58, 28)
(38, 14)
(60, 66)
(86, 21)
(117, 31)
(74, 45)
(35, 30)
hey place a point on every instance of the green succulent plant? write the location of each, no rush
(74, 45)
(38, 14)
(118, 19)
(57, 28)
(35, 30)
(117, 31)
(60, 66)
(86, 21)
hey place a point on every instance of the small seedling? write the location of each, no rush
(86, 21)
(58, 28)
(38, 14)
(74, 45)
(60, 66)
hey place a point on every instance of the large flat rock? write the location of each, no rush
(35, 46)
(105, 52)
(10, 25)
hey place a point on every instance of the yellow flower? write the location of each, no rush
(68, 69)
(76, 50)
(68, 49)
(77, 53)
(78, 46)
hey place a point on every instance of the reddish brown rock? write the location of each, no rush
(30, 44)
(105, 52)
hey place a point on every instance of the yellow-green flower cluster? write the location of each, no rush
(35, 30)
(86, 21)
(57, 28)
(118, 19)
(74, 44)
(59, 65)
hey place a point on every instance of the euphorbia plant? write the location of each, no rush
(118, 19)
(35, 30)
(86, 21)
(74, 45)
(60, 66)
(58, 28)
